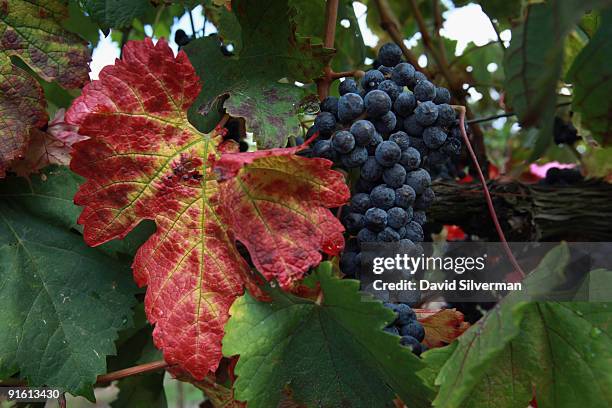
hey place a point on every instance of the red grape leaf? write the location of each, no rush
(442, 327)
(144, 160)
(22, 108)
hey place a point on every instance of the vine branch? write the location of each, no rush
(331, 15)
(487, 194)
(506, 115)
(389, 24)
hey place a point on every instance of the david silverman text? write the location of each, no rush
(464, 284)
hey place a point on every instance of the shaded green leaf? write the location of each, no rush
(330, 354)
(59, 318)
(257, 83)
(116, 13)
(591, 74)
(557, 350)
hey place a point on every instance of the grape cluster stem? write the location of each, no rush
(483, 181)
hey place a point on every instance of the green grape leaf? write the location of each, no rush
(257, 82)
(116, 13)
(559, 351)
(533, 63)
(591, 74)
(59, 318)
(330, 354)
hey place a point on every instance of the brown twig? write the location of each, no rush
(498, 228)
(331, 15)
(127, 372)
(390, 25)
(343, 74)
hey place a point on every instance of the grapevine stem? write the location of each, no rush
(331, 15)
(506, 115)
(343, 74)
(487, 194)
(127, 372)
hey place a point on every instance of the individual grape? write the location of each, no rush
(452, 147)
(181, 38)
(377, 103)
(343, 141)
(390, 88)
(414, 231)
(419, 217)
(425, 199)
(324, 149)
(411, 343)
(375, 219)
(392, 330)
(382, 197)
(330, 104)
(378, 139)
(348, 86)
(405, 314)
(386, 71)
(442, 96)
(371, 170)
(414, 329)
(390, 54)
(350, 106)
(426, 113)
(424, 91)
(325, 122)
(355, 158)
(367, 235)
(394, 176)
(446, 115)
(405, 104)
(353, 222)
(418, 144)
(434, 137)
(363, 130)
(397, 217)
(402, 140)
(418, 77)
(410, 159)
(412, 127)
(386, 123)
(372, 79)
(404, 196)
(388, 153)
(435, 159)
(388, 235)
(402, 232)
(419, 180)
(350, 263)
(361, 203)
(403, 74)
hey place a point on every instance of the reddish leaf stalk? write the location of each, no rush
(127, 372)
(487, 194)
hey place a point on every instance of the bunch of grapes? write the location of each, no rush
(392, 126)
(407, 326)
